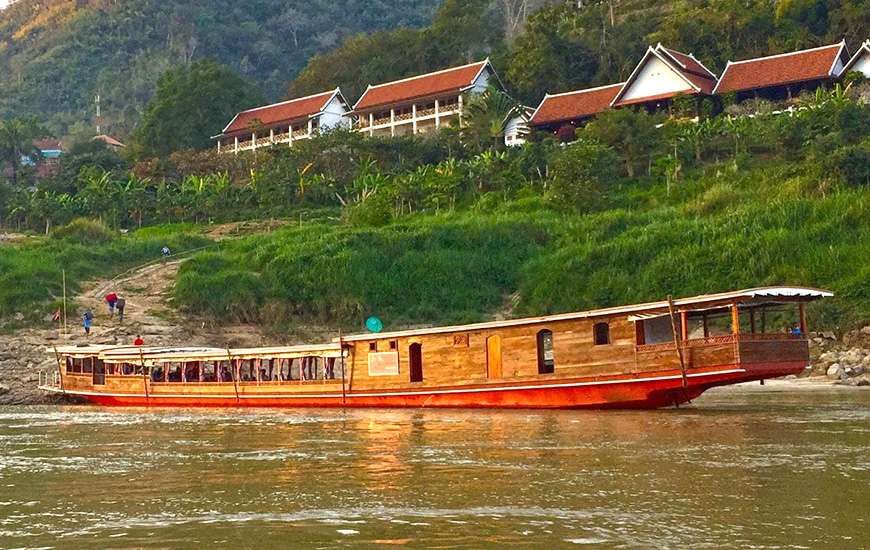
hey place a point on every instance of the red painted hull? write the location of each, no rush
(650, 391)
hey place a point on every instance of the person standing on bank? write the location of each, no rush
(120, 305)
(111, 299)
(87, 320)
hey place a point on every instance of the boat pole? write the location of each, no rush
(234, 374)
(341, 356)
(63, 274)
(677, 340)
(145, 377)
(59, 371)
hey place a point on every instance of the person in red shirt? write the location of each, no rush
(138, 341)
(111, 299)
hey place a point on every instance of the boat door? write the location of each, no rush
(493, 357)
(415, 356)
(99, 378)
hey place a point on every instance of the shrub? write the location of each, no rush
(580, 173)
(84, 231)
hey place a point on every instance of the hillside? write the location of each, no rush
(55, 55)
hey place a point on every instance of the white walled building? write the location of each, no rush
(284, 122)
(420, 104)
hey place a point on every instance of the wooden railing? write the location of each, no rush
(723, 339)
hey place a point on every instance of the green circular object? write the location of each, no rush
(373, 324)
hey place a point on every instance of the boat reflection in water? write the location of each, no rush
(639, 356)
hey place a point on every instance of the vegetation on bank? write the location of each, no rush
(31, 279)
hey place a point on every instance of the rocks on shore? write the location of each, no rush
(845, 361)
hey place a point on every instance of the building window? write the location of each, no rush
(601, 332)
(546, 362)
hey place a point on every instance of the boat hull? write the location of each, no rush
(642, 391)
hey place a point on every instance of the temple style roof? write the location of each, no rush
(452, 80)
(751, 295)
(781, 69)
(862, 51)
(285, 112)
(698, 78)
(574, 105)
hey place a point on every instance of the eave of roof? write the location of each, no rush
(466, 76)
(787, 293)
(752, 79)
(863, 50)
(697, 80)
(588, 92)
(289, 116)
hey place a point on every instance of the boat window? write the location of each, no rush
(415, 357)
(658, 330)
(158, 374)
(546, 360)
(601, 332)
(173, 372)
(294, 370)
(191, 371)
(329, 373)
(209, 373)
(265, 370)
(110, 368)
(394, 345)
(246, 370)
(88, 365)
(225, 371)
(373, 346)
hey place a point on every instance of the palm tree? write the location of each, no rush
(16, 142)
(487, 117)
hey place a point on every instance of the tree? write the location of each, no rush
(580, 172)
(191, 104)
(487, 118)
(631, 133)
(16, 143)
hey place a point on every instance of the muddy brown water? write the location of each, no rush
(758, 468)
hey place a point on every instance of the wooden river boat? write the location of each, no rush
(639, 356)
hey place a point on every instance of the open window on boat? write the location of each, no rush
(247, 372)
(601, 334)
(209, 371)
(192, 371)
(546, 358)
(173, 372)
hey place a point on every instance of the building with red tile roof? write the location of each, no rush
(284, 122)
(662, 75)
(421, 103)
(860, 62)
(780, 75)
(573, 108)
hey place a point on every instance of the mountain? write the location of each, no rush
(57, 55)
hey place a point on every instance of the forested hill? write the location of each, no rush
(55, 55)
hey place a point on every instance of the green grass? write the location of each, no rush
(31, 272)
(716, 231)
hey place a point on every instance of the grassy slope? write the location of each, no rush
(717, 231)
(30, 273)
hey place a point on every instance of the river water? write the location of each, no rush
(764, 467)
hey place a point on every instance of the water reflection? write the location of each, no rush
(742, 468)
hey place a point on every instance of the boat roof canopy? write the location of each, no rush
(772, 294)
(132, 354)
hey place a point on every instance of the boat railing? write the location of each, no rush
(723, 339)
(49, 379)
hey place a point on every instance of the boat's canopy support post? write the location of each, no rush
(802, 312)
(735, 319)
(677, 340)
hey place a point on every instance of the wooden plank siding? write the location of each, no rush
(460, 358)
